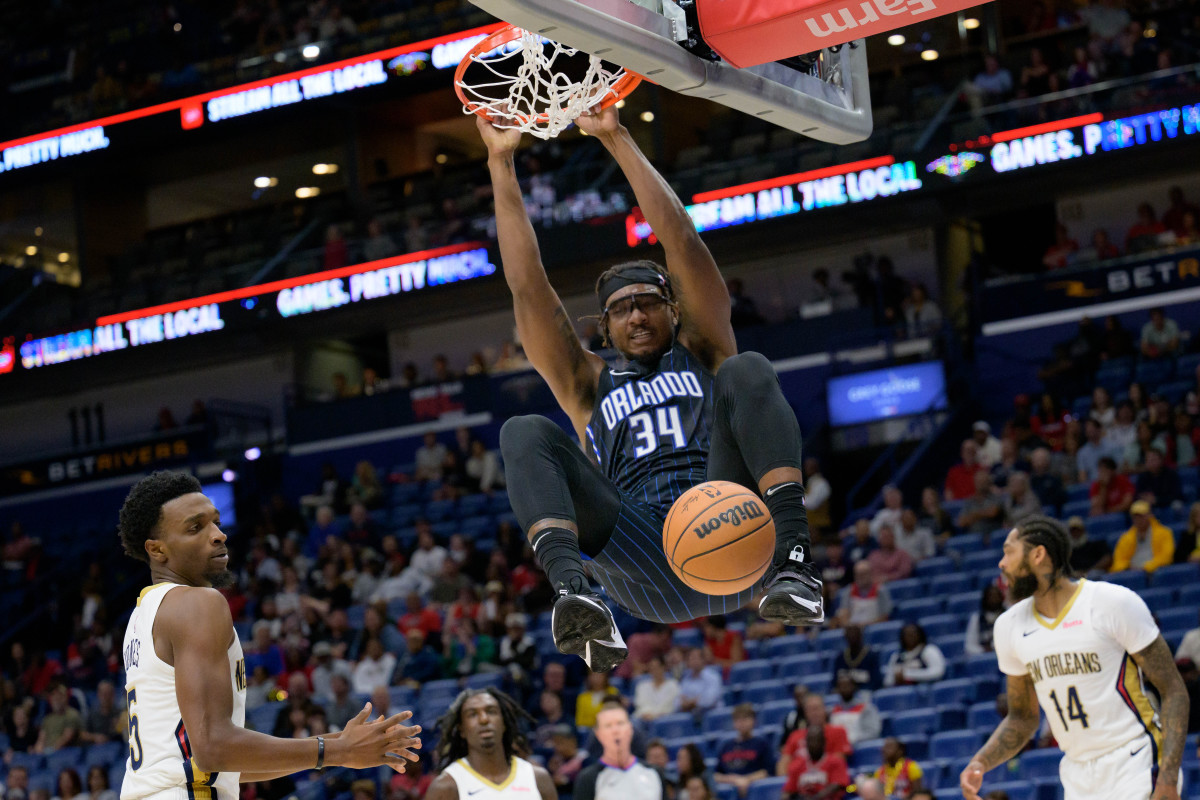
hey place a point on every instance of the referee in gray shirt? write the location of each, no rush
(618, 775)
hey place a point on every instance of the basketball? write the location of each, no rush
(719, 538)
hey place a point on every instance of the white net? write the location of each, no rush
(525, 86)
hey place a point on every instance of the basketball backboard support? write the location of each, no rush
(829, 102)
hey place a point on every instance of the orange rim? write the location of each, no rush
(509, 33)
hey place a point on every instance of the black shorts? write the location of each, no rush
(634, 572)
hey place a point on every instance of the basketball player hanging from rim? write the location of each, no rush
(715, 415)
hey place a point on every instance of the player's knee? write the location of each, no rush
(522, 435)
(747, 372)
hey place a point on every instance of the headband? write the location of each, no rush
(630, 277)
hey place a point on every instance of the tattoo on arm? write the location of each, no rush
(1159, 667)
(1017, 728)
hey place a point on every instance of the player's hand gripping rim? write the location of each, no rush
(378, 742)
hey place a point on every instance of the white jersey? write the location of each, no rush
(1087, 682)
(520, 783)
(160, 755)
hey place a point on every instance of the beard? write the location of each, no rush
(221, 579)
(1023, 586)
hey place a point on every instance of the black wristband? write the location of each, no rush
(320, 752)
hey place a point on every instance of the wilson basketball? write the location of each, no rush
(719, 538)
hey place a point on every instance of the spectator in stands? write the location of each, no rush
(588, 704)
(23, 733)
(979, 626)
(922, 315)
(745, 759)
(104, 722)
(166, 422)
(16, 786)
(361, 530)
(378, 244)
(428, 557)
(1087, 460)
(418, 664)
(644, 646)
(418, 616)
(960, 479)
(324, 528)
(1147, 545)
(1133, 458)
(859, 543)
(325, 666)
(1144, 233)
(932, 515)
(1159, 485)
(1191, 229)
(98, 787)
(743, 310)
(817, 494)
(901, 775)
(914, 538)
(834, 568)
(858, 660)
(993, 85)
(656, 695)
(412, 784)
(1180, 442)
(1173, 217)
(430, 457)
(700, 688)
(372, 384)
(722, 646)
(61, 726)
(1160, 336)
(466, 651)
(917, 661)
(518, 653)
(1087, 554)
(1020, 501)
(1190, 646)
(889, 514)
(1050, 422)
(853, 710)
(1123, 430)
(483, 468)
(549, 715)
(365, 487)
(1101, 249)
(982, 512)
(690, 766)
(889, 562)
(815, 772)
(299, 700)
(1010, 461)
(567, 760)
(1111, 492)
(1062, 252)
(69, 785)
(1102, 408)
(865, 601)
(1117, 341)
(1189, 540)
(988, 452)
(335, 248)
(816, 716)
(400, 581)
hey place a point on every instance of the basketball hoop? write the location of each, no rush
(520, 80)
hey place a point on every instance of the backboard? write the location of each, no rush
(825, 97)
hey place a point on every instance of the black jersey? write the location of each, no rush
(651, 426)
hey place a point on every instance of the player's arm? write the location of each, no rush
(546, 332)
(545, 783)
(1159, 668)
(197, 628)
(443, 787)
(699, 287)
(1014, 731)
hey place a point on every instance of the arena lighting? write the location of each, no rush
(178, 27)
(324, 169)
(799, 177)
(441, 158)
(31, 250)
(305, 192)
(263, 182)
(619, 104)
(37, 231)
(64, 258)
(970, 23)
(229, 476)
(929, 55)
(896, 39)
(253, 454)
(311, 51)
(647, 116)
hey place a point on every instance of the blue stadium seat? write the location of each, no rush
(820, 682)
(1189, 596)
(478, 527)
(483, 680)
(782, 646)
(718, 720)
(829, 641)
(440, 688)
(954, 744)
(898, 698)
(44, 780)
(983, 559)
(1042, 763)
(355, 614)
(916, 746)
(1188, 476)
(753, 648)
(1185, 366)
(1048, 789)
(1131, 579)
(116, 776)
(938, 565)
(63, 758)
(473, 504)
(405, 493)
(1077, 508)
(1178, 618)
(1101, 526)
(438, 510)
(262, 719)
(793, 669)
(965, 601)
(776, 711)
(1016, 790)
(673, 726)
(882, 634)
(867, 754)
(760, 692)
(912, 610)
(981, 666)
(405, 514)
(499, 503)
(1175, 575)
(688, 637)
(944, 585)
(965, 543)
(401, 697)
(104, 754)
(751, 671)
(1159, 600)
(983, 714)
(952, 645)
(1078, 491)
(907, 589)
(918, 722)
(726, 792)
(950, 717)
(942, 625)
(766, 789)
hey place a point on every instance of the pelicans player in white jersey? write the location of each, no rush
(480, 754)
(1085, 651)
(185, 676)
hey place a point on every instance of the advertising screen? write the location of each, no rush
(885, 393)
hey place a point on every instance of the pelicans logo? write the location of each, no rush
(956, 164)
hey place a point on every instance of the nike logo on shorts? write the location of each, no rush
(1140, 749)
